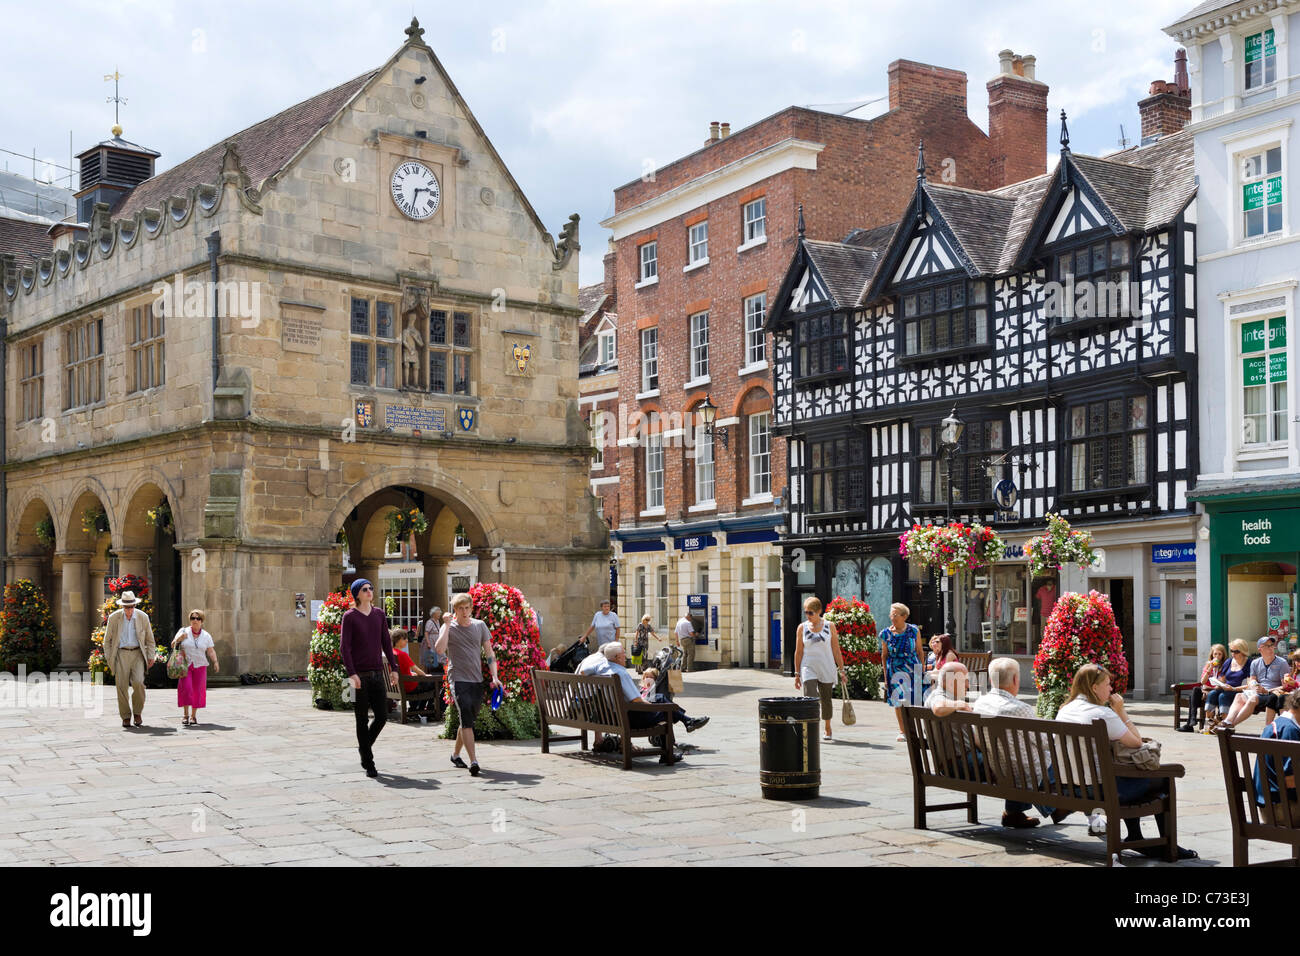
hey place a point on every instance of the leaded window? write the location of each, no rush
(1107, 444)
(836, 475)
(951, 315)
(822, 345)
(966, 467)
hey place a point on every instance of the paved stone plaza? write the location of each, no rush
(269, 780)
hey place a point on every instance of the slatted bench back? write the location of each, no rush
(583, 702)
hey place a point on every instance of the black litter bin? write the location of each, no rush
(789, 748)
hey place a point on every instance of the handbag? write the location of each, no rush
(1145, 757)
(846, 712)
(178, 664)
(675, 682)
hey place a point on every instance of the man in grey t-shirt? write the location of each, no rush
(605, 623)
(466, 640)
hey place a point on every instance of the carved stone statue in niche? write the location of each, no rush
(415, 306)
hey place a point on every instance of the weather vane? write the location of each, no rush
(116, 99)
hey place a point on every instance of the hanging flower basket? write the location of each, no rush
(1060, 545)
(951, 547)
(94, 521)
(159, 517)
(402, 522)
(45, 532)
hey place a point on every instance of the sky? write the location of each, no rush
(578, 95)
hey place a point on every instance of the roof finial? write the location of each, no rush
(413, 32)
(1065, 134)
(801, 220)
(920, 161)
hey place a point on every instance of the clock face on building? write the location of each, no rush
(415, 190)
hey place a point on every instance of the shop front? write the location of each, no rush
(1253, 555)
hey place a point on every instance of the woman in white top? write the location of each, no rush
(430, 659)
(192, 689)
(1091, 697)
(817, 658)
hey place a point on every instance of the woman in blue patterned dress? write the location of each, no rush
(901, 644)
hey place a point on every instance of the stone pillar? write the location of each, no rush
(435, 584)
(77, 610)
(485, 572)
(335, 568)
(369, 569)
(133, 561)
(26, 566)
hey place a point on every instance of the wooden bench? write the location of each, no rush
(428, 688)
(1276, 823)
(1179, 690)
(1083, 775)
(977, 663)
(597, 704)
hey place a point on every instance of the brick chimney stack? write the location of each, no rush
(920, 87)
(1017, 120)
(611, 269)
(1168, 108)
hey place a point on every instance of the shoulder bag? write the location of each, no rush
(846, 712)
(1145, 757)
(177, 664)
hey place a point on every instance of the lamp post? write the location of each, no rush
(709, 412)
(950, 430)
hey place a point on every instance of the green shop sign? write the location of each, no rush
(1263, 191)
(1249, 532)
(1255, 339)
(1260, 45)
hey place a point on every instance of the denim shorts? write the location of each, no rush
(469, 698)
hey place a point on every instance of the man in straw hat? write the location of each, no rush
(128, 651)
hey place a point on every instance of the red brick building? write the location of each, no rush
(698, 248)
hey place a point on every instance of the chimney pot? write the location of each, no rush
(1180, 73)
(726, 130)
(1004, 61)
(713, 132)
(1029, 63)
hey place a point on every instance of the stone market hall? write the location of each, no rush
(363, 314)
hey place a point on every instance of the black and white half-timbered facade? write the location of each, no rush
(1057, 316)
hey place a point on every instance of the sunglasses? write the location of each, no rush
(809, 613)
(367, 588)
(195, 617)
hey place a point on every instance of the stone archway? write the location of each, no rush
(32, 551)
(147, 547)
(362, 517)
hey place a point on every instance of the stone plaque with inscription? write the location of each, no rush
(411, 416)
(300, 332)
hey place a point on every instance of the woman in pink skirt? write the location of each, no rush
(192, 689)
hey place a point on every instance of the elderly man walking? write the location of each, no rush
(128, 651)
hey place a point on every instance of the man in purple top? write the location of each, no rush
(364, 643)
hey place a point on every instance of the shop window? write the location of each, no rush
(1260, 60)
(1264, 382)
(1107, 445)
(1003, 610)
(1261, 193)
(661, 598)
(949, 317)
(971, 484)
(836, 476)
(1262, 599)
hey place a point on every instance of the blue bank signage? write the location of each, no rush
(1174, 553)
(696, 542)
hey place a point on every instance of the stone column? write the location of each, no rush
(77, 610)
(435, 584)
(133, 561)
(26, 566)
(485, 572)
(369, 569)
(335, 568)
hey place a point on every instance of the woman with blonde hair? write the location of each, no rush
(1205, 686)
(900, 647)
(196, 645)
(641, 642)
(1092, 697)
(1227, 683)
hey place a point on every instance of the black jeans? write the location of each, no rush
(371, 695)
(640, 719)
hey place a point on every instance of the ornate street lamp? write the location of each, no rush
(709, 412)
(950, 431)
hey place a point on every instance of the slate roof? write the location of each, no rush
(264, 148)
(1145, 188)
(27, 239)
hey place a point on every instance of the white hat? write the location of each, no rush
(127, 599)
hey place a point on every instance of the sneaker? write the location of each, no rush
(1059, 815)
(474, 769)
(1097, 822)
(457, 762)
(695, 723)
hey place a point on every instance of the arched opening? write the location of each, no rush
(36, 540)
(83, 562)
(403, 539)
(148, 539)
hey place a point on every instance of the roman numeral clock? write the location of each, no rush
(416, 191)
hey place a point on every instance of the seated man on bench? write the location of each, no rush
(1286, 726)
(949, 696)
(616, 656)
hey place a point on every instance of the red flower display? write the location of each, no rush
(1080, 630)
